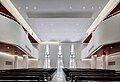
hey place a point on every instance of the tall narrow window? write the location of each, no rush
(47, 58)
(60, 60)
(72, 63)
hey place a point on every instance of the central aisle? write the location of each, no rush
(59, 76)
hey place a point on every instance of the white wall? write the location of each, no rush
(100, 63)
(8, 57)
(107, 32)
(11, 32)
(116, 59)
(54, 52)
(85, 63)
(3, 59)
(32, 63)
(20, 62)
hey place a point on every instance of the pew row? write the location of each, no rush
(79, 74)
(36, 74)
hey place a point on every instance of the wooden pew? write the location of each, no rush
(112, 78)
(70, 73)
(15, 78)
(23, 76)
(33, 73)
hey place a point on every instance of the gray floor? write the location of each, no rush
(59, 76)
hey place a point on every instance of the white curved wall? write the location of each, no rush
(107, 32)
(12, 33)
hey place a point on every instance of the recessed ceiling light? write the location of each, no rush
(8, 47)
(83, 7)
(70, 7)
(26, 7)
(35, 7)
(19, 8)
(92, 7)
(99, 7)
(111, 47)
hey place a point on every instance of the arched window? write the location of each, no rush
(60, 59)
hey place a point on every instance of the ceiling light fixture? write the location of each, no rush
(26, 7)
(106, 10)
(88, 24)
(70, 7)
(83, 7)
(8, 47)
(35, 7)
(50, 42)
(92, 7)
(99, 7)
(30, 59)
(11, 8)
(19, 8)
(7, 54)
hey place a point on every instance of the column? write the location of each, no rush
(105, 62)
(15, 62)
(25, 61)
(94, 62)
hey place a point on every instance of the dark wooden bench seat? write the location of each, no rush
(14, 78)
(97, 78)
(95, 75)
(72, 73)
(39, 74)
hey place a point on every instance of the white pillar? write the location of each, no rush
(105, 62)
(94, 62)
(25, 61)
(15, 62)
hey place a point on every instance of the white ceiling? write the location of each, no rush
(64, 20)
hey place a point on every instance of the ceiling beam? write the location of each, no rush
(106, 10)
(11, 8)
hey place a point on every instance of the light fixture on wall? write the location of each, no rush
(50, 42)
(34, 59)
(7, 54)
(20, 57)
(86, 59)
(103, 55)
